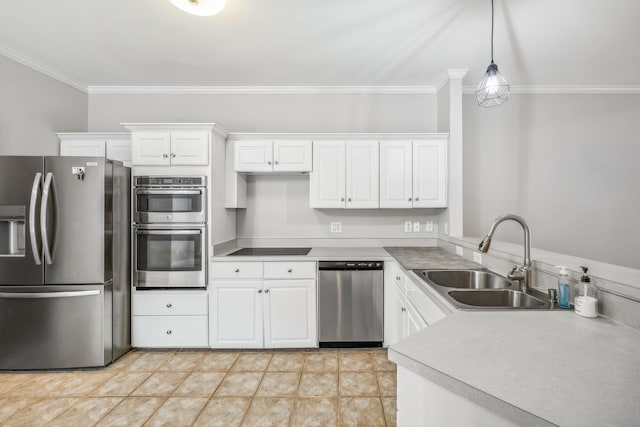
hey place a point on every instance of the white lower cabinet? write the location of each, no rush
(278, 311)
(169, 319)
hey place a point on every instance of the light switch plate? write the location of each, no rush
(477, 257)
(459, 251)
(336, 227)
(416, 226)
(428, 227)
(445, 227)
(407, 227)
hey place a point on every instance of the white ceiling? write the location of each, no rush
(577, 43)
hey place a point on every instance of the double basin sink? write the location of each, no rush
(481, 289)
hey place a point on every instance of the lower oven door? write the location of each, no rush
(170, 257)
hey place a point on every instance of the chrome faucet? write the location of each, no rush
(521, 274)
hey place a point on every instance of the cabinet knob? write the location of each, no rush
(169, 305)
(266, 291)
(165, 155)
(259, 291)
(290, 270)
(276, 162)
(342, 199)
(417, 199)
(409, 198)
(268, 163)
(237, 270)
(169, 332)
(397, 277)
(173, 154)
(349, 199)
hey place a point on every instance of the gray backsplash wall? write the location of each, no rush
(567, 163)
(33, 107)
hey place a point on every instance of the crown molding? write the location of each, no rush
(457, 73)
(566, 90)
(258, 90)
(83, 136)
(186, 127)
(42, 68)
(324, 136)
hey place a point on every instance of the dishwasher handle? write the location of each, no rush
(350, 265)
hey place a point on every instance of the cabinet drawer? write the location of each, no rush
(169, 331)
(236, 270)
(169, 304)
(290, 270)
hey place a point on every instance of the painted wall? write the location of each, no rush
(567, 163)
(33, 107)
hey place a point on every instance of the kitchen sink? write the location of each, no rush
(497, 298)
(466, 279)
(482, 290)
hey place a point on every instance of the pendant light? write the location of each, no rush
(200, 7)
(493, 89)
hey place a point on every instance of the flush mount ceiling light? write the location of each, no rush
(493, 89)
(200, 7)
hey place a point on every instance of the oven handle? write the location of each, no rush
(166, 232)
(138, 191)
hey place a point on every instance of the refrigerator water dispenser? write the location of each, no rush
(12, 230)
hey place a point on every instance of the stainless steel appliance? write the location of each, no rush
(170, 256)
(350, 303)
(64, 262)
(169, 199)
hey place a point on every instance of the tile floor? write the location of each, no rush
(210, 388)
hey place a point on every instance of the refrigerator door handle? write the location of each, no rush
(49, 187)
(37, 182)
(20, 295)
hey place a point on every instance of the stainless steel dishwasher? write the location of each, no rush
(350, 303)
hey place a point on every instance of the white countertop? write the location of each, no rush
(537, 367)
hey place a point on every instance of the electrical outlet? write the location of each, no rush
(445, 227)
(416, 226)
(336, 227)
(459, 251)
(477, 257)
(428, 227)
(407, 227)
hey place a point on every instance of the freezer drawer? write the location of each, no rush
(47, 327)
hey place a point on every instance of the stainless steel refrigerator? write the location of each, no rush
(64, 262)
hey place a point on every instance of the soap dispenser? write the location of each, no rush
(586, 296)
(563, 287)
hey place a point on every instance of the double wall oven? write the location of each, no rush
(170, 232)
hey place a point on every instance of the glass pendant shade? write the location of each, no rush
(493, 89)
(200, 7)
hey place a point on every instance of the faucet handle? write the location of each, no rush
(516, 273)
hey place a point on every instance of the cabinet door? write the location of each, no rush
(253, 156)
(415, 323)
(396, 177)
(189, 148)
(400, 317)
(327, 180)
(119, 150)
(429, 174)
(88, 148)
(362, 175)
(150, 148)
(292, 156)
(236, 314)
(290, 314)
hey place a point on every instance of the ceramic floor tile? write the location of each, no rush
(356, 361)
(149, 362)
(279, 384)
(321, 362)
(39, 385)
(387, 383)
(124, 361)
(160, 384)
(86, 412)
(11, 405)
(318, 384)
(382, 363)
(121, 384)
(390, 406)
(252, 362)
(40, 412)
(223, 412)
(315, 412)
(200, 384)
(10, 381)
(177, 412)
(82, 383)
(269, 412)
(182, 362)
(358, 384)
(132, 412)
(239, 384)
(219, 361)
(361, 411)
(284, 362)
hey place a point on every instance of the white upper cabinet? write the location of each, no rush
(327, 180)
(429, 174)
(362, 174)
(272, 156)
(396, 174)
(170, 148)
(113, 146)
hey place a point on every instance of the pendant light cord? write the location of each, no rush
(492, 31)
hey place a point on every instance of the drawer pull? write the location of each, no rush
(169, 305)
(397, 277)
(266, 291)
(290, 270)
(259, 291)
(169, 332)
(237, 270)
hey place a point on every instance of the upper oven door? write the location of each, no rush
(169, 258)
(162, 206)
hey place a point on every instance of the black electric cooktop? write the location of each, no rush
(270, 251)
